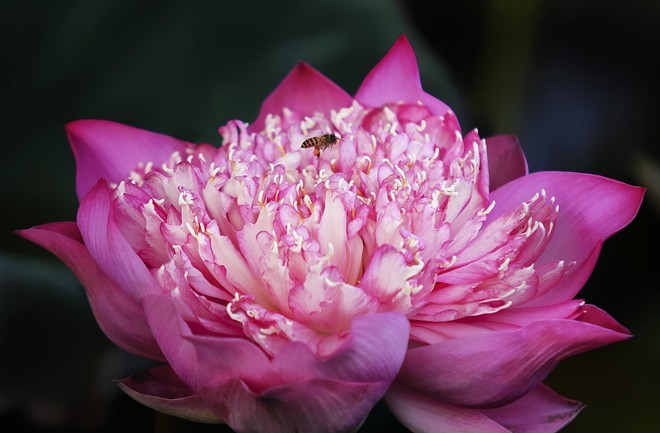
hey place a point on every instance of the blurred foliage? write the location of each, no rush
(575, 80)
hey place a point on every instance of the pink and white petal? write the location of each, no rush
(236, 378)
(332, 234)
(540, 411)
(111, 150)
(161, 389)
(326, 303)
(118, 315)
(396, 79)
(592, 208)
(495, 368)
(316, 405)
(373, 351)
(386, 277)
(108, 246)
(506, 160)
(200, 360)
(421, 413)
(331, 395)
(304, 91)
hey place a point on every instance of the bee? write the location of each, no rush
(321, 142)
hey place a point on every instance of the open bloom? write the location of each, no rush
(289, 292)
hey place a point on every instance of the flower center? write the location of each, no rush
(282, 242)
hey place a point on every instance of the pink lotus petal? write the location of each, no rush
(497, 367)
(386, 276)
(304, 91)
(396, 79)
(540, 411)
(596, 316)
(373, 352)
(109, 248)
(506, 160)
(421, 413)
(317, 405)
(111, 150)
(159, 388)
(118, 315)
(525, 315)
(592, 208)
(235, 377)
(206, 359)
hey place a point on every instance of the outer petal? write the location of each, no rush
(236, 379)
(506, 160)
(423, 414)
(592, 208)
(160, 388)
(109, 248)
(111, 150)
(118, 315)
(304, 91)
(396, 79)
(540, 411)
(316, 405)
(496, 368)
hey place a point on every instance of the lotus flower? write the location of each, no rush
(289, 292)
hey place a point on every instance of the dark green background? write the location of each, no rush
(577, 81)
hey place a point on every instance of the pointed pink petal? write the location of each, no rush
(422, 414)
(506, 160)
(119, 316)
(540, 411)
(497, 367)
(111, 150)
(159, 388)
(295, 389)
(591, 209)
(596, 316)
(304, 91)
(109, 248)
(396, 79)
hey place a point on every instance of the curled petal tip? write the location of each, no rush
(159, 388)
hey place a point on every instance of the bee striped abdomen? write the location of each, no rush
(319, 143)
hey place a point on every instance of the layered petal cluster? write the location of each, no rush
(285, 291)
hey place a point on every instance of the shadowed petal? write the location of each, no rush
(160, 388)
(592, 208)
(111, 150)
(540, 411)
(108, 246)
(304, 91)
(205, 359)
(497, 367)
(423, 414)
(118, 315)
(316, 405)
(506, 160)
(396, 79)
